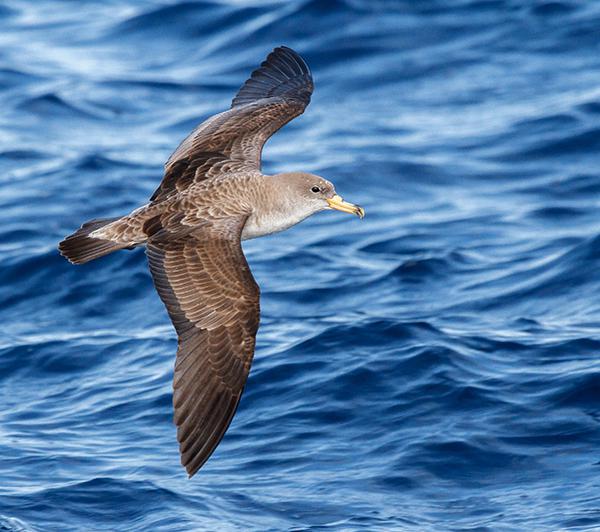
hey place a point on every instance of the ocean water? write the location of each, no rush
(435, 366)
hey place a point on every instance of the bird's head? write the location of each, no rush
(314, 193)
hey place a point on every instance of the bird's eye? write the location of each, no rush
(316, 189)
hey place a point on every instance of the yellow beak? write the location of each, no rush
(339, 204)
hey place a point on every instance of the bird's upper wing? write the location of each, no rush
(204, 281)
(278, 91)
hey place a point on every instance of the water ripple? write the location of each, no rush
(431, 367)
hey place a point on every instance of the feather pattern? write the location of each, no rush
(211, 191)
(232, 141)
(213, 301)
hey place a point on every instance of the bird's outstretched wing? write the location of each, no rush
(278, 91)
(213, 301)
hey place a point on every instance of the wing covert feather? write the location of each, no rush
(213, 301)
(232, 141)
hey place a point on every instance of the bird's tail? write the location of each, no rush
(80, 247)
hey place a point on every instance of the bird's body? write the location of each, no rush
(212, 197)
(252, 194)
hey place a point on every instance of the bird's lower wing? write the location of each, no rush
(213, 301)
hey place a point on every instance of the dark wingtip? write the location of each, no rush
(283, 73)
(290, 54)
(192, 468)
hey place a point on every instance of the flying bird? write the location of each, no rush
(212, 196)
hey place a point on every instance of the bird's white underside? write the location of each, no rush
(261, 224)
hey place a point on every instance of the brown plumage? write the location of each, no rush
(212, 197)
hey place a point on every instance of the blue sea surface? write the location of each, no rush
(435, 366)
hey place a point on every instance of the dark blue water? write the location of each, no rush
(433, 367)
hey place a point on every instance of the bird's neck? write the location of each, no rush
(272, 213)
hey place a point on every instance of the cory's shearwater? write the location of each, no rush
(213, 196)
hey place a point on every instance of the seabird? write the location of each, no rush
(213, 196)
